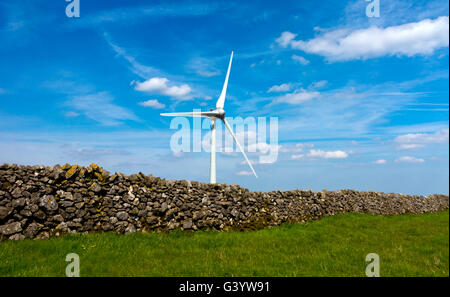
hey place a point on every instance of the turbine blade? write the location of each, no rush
(221, 100)
(239, 146)
(189, 114)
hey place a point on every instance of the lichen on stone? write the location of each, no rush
(73, 170)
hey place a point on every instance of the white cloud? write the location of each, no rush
(328, 154)
(285, 39)
(409, 146)
(244, 173)
(380, 162)
(409, 159)
(297, 148)
(298, 96)
(159, 85)
(152, 103)
(300, 60)
(320, 154)
(416, 38)
(424, 138)
(280, 88)
(267, 161)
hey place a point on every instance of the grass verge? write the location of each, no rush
(408, 245)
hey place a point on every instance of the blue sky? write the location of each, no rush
(362, 103)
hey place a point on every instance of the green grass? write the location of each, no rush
(408, 245)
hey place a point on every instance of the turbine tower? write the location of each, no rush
(214, 115)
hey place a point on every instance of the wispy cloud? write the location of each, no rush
(321, 154)
(318, 84)
(296, 148)
(68, 85)
(418, 140)
(380, 162)
(137, 68)
(95, 153)
(297, 97)
(409, 159)
(409, 146)
(133, 14)
(339, 110)
(244, 173)
(300, 59)
(99, 107)
(71, 114)
(203, 67)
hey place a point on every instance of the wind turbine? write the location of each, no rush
(214, 115)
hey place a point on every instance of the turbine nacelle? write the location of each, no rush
(218, 113)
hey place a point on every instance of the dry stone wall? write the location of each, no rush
(39, 202)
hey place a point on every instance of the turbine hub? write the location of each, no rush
(220, 112)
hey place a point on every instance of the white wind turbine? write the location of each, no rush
(213, 115)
